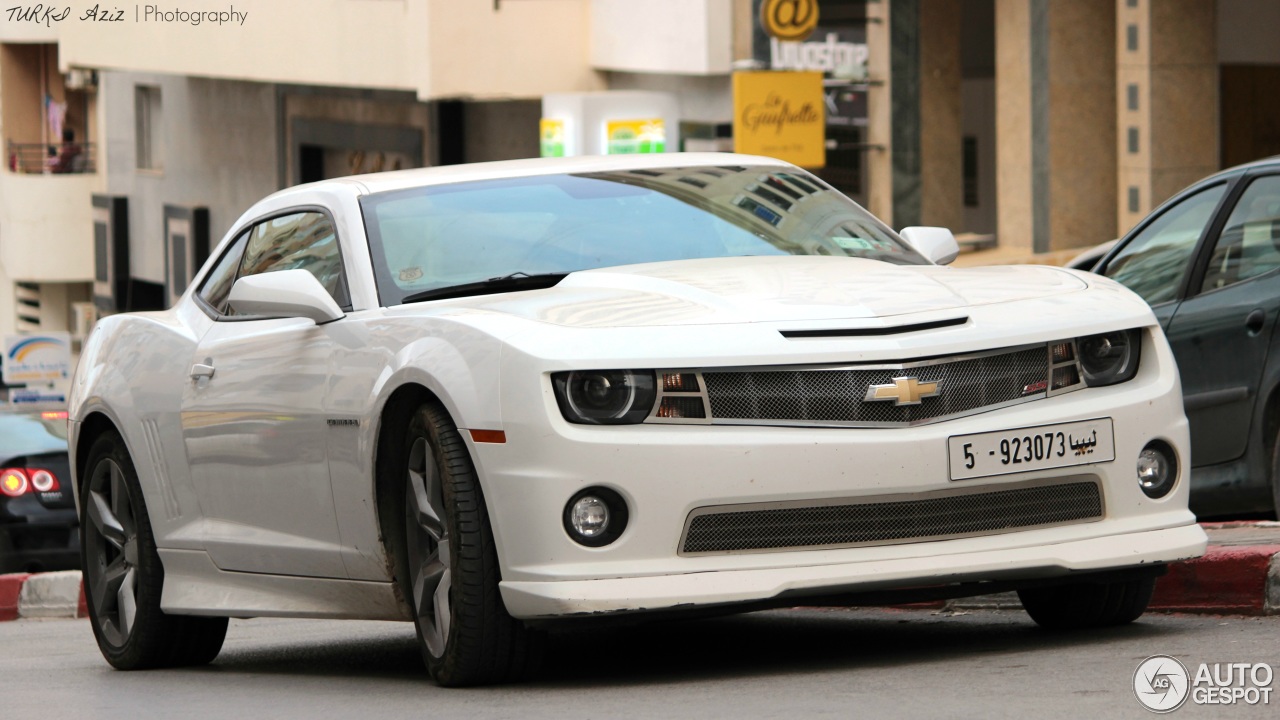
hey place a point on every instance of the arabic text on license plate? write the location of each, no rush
(1031, 448)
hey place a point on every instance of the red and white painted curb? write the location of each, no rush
(1228, 580)
(44, 595)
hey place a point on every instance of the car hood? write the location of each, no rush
(771, 289)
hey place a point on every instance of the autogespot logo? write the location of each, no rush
(1161, 683)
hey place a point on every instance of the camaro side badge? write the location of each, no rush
(343, 422)
(903, 391)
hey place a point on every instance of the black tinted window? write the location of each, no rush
(1154, 262)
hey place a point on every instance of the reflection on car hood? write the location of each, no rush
(772, 289)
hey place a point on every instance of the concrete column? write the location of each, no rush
(915, 114)
(1055, 105)
(941, 129)
(879, 185)
(1167, 101)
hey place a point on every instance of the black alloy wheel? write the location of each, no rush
(123, 576)
(467, 636)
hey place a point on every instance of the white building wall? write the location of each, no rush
(436, 48)
(220, 152)
(691, 37)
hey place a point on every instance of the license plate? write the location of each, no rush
(1031, 448)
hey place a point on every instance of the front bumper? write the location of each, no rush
(530, 600)
(665, 473)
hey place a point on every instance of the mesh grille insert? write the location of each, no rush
(892, 522)
(838, 396)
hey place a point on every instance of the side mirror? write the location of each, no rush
(937, 244)
(285, 293)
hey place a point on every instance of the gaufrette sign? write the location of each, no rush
(781, 115)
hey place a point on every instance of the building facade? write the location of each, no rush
(1039, 125)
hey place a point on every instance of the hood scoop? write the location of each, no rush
(873, 331)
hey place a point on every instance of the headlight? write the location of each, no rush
(604, 397)
(1109, 358)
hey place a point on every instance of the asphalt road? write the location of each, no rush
(872, 663)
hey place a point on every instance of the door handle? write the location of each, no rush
(1255, 321)
(200, 370)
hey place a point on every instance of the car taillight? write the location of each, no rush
(13, 482)
(43, 481)
(16, 482)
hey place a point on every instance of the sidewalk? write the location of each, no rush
(1239, 575)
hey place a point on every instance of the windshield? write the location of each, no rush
(432, 237)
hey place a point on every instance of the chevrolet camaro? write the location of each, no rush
(501, 398)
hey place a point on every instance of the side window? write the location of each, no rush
(217, 286)
(1250, 241)
(305, 241)
(1154, 263)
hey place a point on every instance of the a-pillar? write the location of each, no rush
(1055, 123)
(1167, 100)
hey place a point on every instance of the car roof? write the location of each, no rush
(1270, 162)
(444, 174)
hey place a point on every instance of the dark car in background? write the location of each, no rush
(1207, 261)
(38, 527)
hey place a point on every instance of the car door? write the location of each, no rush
(1221, 331)
(253, 415)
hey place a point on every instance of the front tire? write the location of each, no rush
(1275, 475)
(1088, 605)
(466, 635)
(123, 577)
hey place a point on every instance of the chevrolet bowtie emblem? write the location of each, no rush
(903, 391)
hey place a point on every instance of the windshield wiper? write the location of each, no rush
(503, 283)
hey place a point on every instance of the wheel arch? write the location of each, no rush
(94, 425)
(388, 485)
(1269, 435)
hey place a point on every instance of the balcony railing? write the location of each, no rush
(55, 158)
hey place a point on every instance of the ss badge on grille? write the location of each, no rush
(903, 391)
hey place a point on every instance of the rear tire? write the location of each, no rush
(1088, 605)
(466, 635)
(123, 577)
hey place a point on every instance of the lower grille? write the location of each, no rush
(942, 515)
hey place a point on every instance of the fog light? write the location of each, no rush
(590, 516)
(595, 517)
(1157, 469)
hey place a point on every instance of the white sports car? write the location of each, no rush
(493, 398)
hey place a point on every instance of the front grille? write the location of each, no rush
(937, 516)
(837, 396)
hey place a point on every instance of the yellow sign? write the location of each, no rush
(781, 115)
(552, 133)
(789, 20)
(625, 137)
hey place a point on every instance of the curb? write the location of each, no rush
(44, 595)
(1233, 580)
